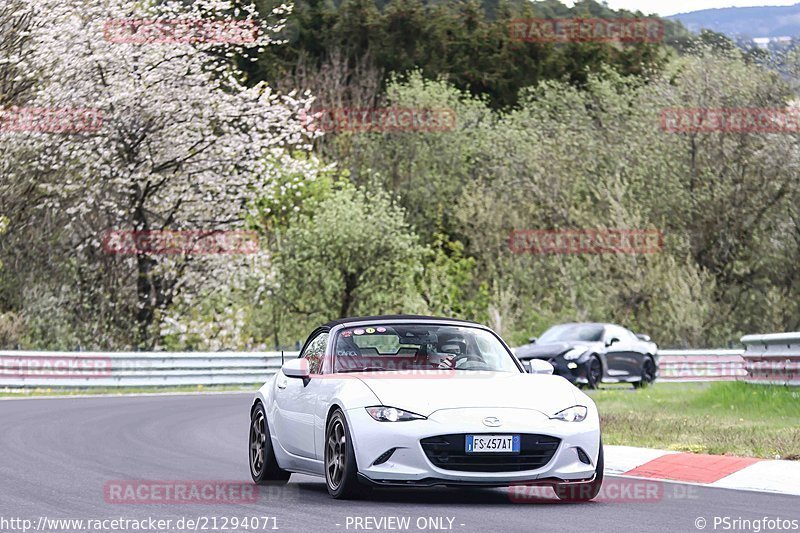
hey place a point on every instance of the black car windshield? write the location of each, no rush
(399, 347)
(572, 332)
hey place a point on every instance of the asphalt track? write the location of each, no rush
(59, 454)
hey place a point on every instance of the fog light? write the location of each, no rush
(384, 456)
(583, 457)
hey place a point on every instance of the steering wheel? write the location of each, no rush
(463, 360)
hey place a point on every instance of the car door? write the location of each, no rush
(639, 349)
(621, 355)
(295, 402)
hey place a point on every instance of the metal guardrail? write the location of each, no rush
(22, 369)
(773, 358)
(768, 359)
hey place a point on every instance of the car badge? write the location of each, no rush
(492, 422)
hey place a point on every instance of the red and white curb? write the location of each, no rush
(742, 473)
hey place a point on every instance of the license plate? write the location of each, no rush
(492, 443)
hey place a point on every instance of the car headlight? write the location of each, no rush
(576, 413)
(575, 353)
(381, 413)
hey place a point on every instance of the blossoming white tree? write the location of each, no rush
(183, 142)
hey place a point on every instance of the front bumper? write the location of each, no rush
(408, 465)
(573, 371)
(433, 482)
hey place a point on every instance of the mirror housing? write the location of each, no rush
(643, 337)
(532, 340)
(539, 366)
(296, 368)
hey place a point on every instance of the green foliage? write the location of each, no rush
(3, 229)
(448, 284)
(294, 194)
(596, 157)
(354, 254)
(213, 324)
(465, 41)
(547, 137)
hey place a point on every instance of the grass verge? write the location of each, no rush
(716, 418)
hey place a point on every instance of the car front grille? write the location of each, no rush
(449, 453)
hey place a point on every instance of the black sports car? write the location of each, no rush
(590, 354)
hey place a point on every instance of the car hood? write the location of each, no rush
(425, 394)
(545, 351)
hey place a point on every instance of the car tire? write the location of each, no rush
(264, 467)
(648, 373)
(594, 372)
(583, 492)
(341, 470)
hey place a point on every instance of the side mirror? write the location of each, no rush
(540, 366)
(642, 336)
(296, 368)
(532, 340)
(611, 341)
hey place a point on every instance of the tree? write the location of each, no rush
(597, 157)
(3, 229)
(467, 42)
(183, 146)
(354, 254)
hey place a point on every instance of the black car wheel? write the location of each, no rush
(264, 467)
(583, 492)
(594, 372)
(648, 373)
(341, 471)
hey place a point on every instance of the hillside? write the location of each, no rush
(762, 21)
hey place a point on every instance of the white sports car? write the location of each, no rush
(403, 401)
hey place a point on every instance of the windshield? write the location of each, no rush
(572, 332)
(419, 347)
